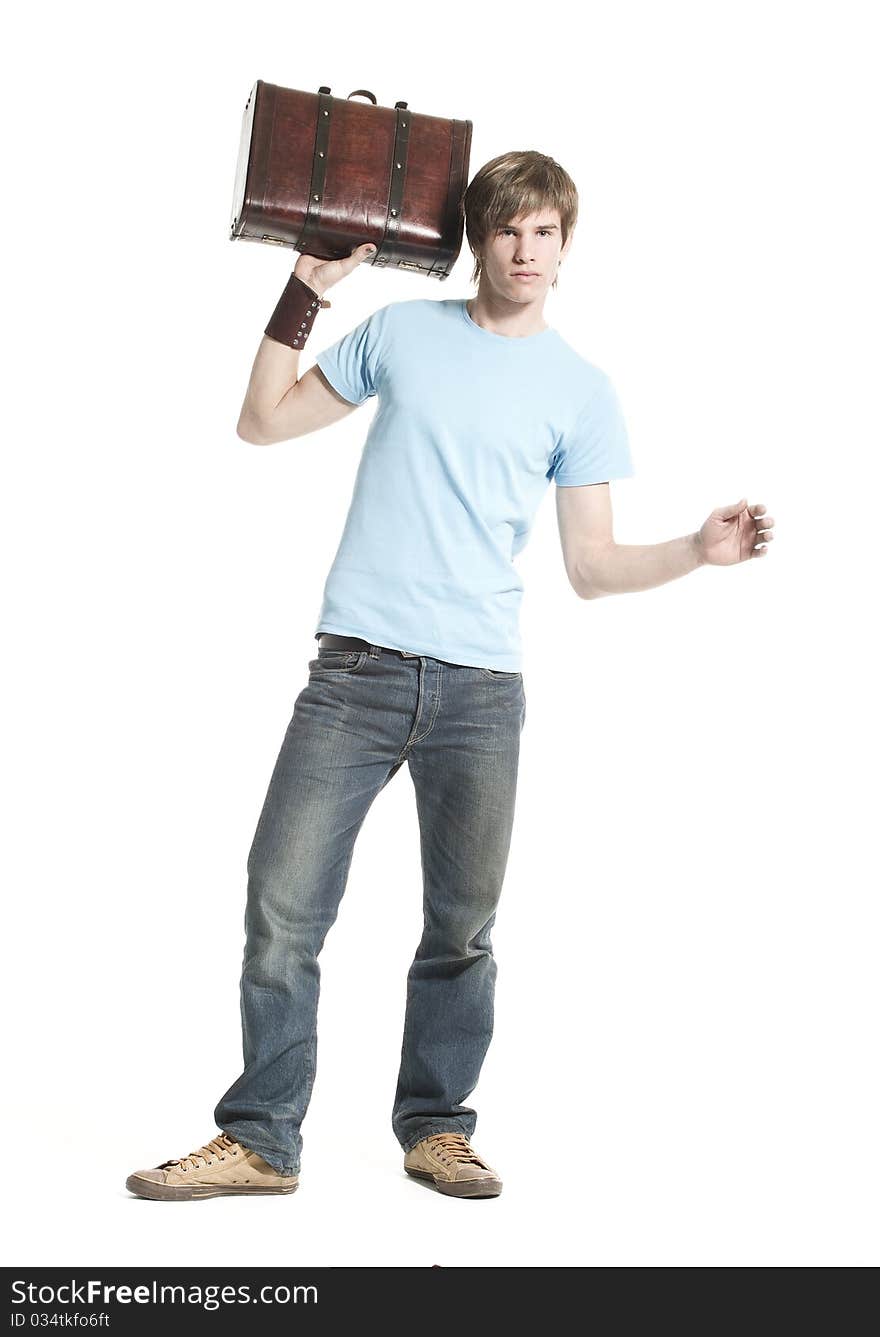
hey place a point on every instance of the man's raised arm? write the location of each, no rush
(278, 405)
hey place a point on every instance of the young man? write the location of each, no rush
(481, 405)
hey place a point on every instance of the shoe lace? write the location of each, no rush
(218, 1146)
(454, 1147)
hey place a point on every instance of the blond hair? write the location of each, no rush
(515, 185)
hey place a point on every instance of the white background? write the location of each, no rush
(684, 1064)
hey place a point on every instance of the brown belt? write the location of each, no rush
(330, 641)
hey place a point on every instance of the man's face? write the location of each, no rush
(524, 246)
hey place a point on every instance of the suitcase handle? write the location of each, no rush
(365, 92)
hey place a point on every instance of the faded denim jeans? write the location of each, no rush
(362, 715)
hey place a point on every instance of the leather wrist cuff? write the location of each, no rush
(291, 321)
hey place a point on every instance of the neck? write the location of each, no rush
(499, 315)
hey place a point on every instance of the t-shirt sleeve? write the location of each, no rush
(352, 364)
(595, 448)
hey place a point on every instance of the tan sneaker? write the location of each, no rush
(220, 1166)
(451, 1162)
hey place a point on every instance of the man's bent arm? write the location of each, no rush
(622, 568)
(275, 408)
(274, 375)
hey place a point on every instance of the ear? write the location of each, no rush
(566, 248)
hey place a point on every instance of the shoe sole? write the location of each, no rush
(461, 1188)
(148, 1188)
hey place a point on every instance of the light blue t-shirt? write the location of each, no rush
(469, 430)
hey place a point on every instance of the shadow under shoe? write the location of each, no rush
(221, 1167)
(450, 1162)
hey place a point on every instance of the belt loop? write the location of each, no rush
(375, 651)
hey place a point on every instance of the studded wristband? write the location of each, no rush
(291, 321)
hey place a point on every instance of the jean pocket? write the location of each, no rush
(338, 661)
(499, 675)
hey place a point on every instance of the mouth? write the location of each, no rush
(525, 275)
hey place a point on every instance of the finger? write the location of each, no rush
(757, 508)
(759, 552)
(726, 512)
(362, 253)
(766, 523)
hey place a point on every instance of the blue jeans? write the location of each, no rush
(362, 715)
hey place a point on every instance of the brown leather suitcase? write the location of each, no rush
(323, 174)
